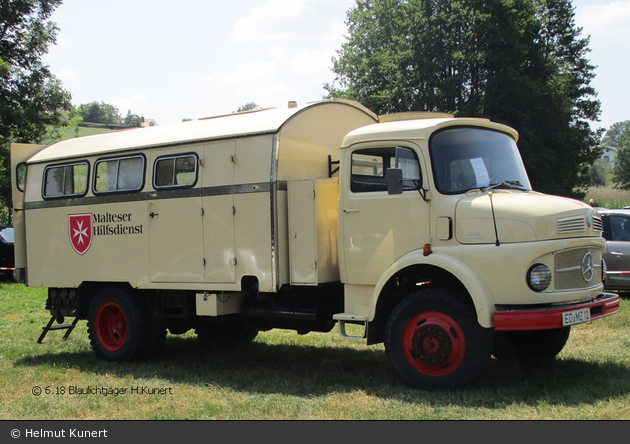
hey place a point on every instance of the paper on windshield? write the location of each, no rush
(481, 172)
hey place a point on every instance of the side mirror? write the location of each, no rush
(394, 180)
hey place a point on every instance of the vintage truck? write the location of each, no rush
(420, 227)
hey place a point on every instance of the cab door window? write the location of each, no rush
(369, 168)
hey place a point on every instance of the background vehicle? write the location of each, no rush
(7, 260)
(420, 227)
(617, 254)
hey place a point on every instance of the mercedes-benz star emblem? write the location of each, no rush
(587, 267)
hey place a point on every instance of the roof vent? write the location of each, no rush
(292, 104)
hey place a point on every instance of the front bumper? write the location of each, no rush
(551, 317)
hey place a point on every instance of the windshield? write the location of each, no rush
(469, 158)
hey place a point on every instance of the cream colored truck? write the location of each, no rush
(422, 228)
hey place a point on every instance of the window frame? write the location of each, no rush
(381, 179)
(175, 157)
(119, 158)
(65, 166)
(17, 176)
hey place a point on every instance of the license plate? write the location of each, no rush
(576, 316)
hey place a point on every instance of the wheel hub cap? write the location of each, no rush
(431, 345)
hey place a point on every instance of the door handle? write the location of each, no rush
(152, 214)
(351, 210)
(616, 253)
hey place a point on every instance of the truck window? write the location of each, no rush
(467, 158)
(119, 174)
(175, 171)
(65, 180)
(20, 175)
(369, 167)
(619, 229)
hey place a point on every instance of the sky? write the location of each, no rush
(203, 58)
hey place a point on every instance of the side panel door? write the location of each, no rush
(175, 218)
(379, 228)
(218, 209)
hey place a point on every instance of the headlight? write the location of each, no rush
(539, 277)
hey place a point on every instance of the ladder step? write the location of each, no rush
(60, 327)
(50, 326)
(350, 317)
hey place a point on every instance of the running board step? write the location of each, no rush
(351, 318)
(50, 327)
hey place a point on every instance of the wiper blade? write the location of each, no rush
(510, 184)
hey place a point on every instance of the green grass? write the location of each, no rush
(283, 375)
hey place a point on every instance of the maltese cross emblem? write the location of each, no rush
(80, 232)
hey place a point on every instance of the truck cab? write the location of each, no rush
(448, 254)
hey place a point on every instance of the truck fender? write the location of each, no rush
(479, 293)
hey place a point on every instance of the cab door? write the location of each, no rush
(20, 153)
(378, 228)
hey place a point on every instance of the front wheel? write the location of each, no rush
(433, 340)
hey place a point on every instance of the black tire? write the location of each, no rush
(433, 340)
(119, 326)
(529, 345)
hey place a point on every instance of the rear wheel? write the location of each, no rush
(529, 345)
(119, 326)
(433, 340)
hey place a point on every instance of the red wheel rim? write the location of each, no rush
(434, 343)
(111, 326)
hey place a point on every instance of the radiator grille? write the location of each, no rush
(568, 270)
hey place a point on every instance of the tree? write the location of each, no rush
(32, 100)
(133, 120)
(615, 132)
(107, 114)
(621, 170)
(249, 106)
(599, 173)
(102, 112)
(518, 62)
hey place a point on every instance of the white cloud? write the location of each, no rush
(608, 22)
(312, 63)
(68, 75)
(259, 81)
(134, 103)
(274, 20)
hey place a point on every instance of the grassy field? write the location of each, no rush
(607, 197)
(285, 376)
